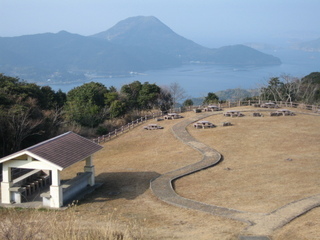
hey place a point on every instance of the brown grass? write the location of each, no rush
(272, 161)
(260, 179)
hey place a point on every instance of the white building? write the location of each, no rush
(40, 167)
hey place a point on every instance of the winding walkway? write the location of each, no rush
(260, 225)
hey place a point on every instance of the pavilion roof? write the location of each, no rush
(62, 151)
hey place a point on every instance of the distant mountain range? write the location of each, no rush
(311, 46)
(135, 44)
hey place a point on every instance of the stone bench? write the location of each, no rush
(70, 189)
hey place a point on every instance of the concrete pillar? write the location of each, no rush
(6, 184)
(5, 192)
(89, 167)
(56, 199)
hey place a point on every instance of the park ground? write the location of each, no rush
(268, 162)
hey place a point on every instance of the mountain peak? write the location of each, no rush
(134, 27)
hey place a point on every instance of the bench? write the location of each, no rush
(70, 188)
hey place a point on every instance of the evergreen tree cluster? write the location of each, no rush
(30, 113)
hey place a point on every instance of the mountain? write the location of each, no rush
(150, 34)
(135, 44)
(311, 46)
(64, 52)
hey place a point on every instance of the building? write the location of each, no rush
(37, 169)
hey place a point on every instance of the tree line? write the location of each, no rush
(292, 89)
(30, 113)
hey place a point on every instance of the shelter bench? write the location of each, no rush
(27, 184)
(70, 188)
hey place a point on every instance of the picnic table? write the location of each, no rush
(212, 108)
(284, 112)
(233, 113)
(203, 124)
(172, 116)
(152, 127)
(269, 105)
(257, 114)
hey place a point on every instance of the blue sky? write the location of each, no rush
(212, 23)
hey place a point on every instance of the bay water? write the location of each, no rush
(197, 79)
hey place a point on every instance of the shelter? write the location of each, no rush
(40, 166)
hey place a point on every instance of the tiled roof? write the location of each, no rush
(63, 150)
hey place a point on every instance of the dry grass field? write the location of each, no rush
(267, 163)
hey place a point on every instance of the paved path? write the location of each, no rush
(260, 225)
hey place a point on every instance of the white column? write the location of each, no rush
(56, 199)
(6, 184)
(89, 167)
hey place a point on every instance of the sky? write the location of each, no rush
(212, 23)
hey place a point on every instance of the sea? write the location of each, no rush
(199, 79)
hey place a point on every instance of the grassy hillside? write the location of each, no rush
(255, 176)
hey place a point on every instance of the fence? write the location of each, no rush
(228, 104)
(127, 127)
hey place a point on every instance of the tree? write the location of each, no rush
(210, 99)
(148, 96)
(86, 104)
(131, 93)
(188, 103)
(177, 93)
(27, 115)
(165, 101)
(139, 96)
(24, 119)
(274, 90)
(110, 97)
(310, 88)
(117, 109)
(288, 89)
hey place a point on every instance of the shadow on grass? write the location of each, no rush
(116, 185)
